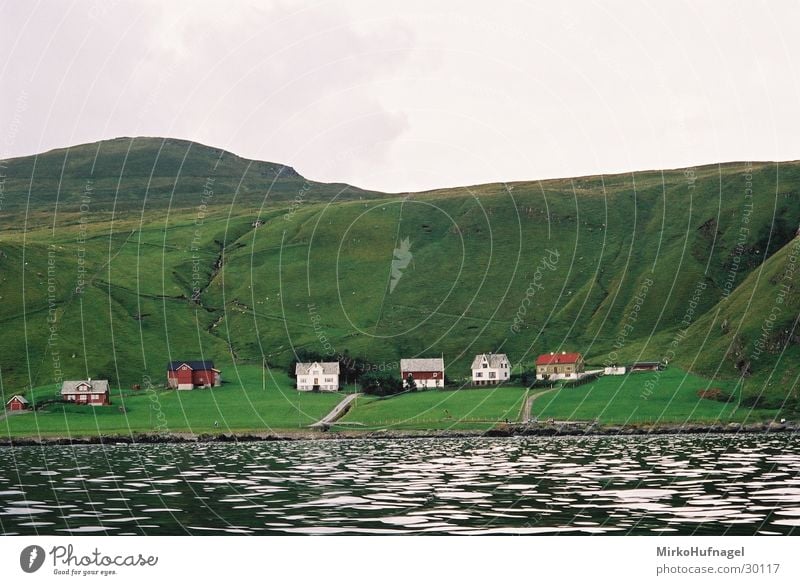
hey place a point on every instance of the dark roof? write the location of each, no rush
(195, 365)
(91, 387)
(557, 359)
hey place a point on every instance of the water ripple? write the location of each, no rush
(601, 485)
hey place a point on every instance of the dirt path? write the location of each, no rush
(525, 415)
(338, 412)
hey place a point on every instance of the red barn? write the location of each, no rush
(94, 392)
(195, 374)
(557, 366)
(17, 403)
(426, 373)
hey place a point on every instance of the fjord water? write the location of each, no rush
(727, 484)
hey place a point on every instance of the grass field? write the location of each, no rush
(244, 403)
(437, 409)
(669, 396)
(256, 400)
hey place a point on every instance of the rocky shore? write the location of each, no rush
(501, 430)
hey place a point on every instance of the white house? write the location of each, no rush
(426, 372)
(317, 376)
(490, 368)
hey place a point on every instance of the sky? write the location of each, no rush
(415, 94)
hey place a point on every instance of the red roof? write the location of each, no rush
(557, 359)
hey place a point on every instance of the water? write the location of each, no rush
(602, 485)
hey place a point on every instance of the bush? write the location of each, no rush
(541, 384)
(381, 384)
(528, 379)
(581, 381)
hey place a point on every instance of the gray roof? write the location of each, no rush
(422, 365)
(95, 387)
(494, 359)
(327, 367)
(18, 397)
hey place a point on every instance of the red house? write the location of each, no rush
(17, 403)
(426, 372)
(94, 392)
(195, 374)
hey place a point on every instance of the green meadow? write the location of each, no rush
(668, 396)
(250, 400)
(473, 408)
(253, 399)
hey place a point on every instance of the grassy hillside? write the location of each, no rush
(172, 267)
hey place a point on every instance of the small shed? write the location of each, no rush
(17, 403)
(614, 371)
(646, 366)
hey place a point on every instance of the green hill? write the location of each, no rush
(161, 258)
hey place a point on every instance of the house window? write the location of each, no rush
(479, 374)
(485, 365)
(492, 374)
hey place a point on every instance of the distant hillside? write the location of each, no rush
(127, 174)
(616, 267)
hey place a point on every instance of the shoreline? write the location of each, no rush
(502, 430)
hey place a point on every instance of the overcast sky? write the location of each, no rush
(411, 94)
